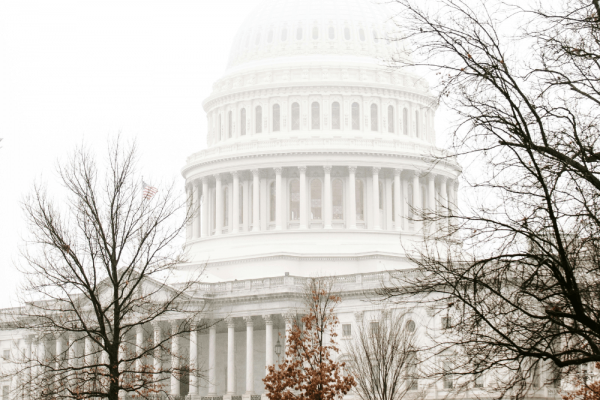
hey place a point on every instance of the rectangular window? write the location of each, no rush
(446, 323)
(448, 379)
(6, 355)
(346, 330)
(5, 392)
(374, 327)
(479, 382)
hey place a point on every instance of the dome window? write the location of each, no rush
(374, 118)
(225, 207)
(391, 119)
(335, 115)
(359, 200)
(347, 33)
(299, 33)
(331, 32)
(258, 119)
(375, 36)
(229, 125)
(361, 34)
(337, 199)
(284, 34)
(315, 33)
(295, 200)
(272, 202)
(405, 121)
(417, 123)
(243, 122)
(316, 193)
(270, 36)
(257, 41)
(295, 116)
(355, 116)
(276, 118)
(315, 122)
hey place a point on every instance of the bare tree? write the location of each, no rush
(516, 273)
(98, 295)
(383, 358)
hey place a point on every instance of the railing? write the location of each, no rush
(294, 282)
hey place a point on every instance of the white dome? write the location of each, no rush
(351, 30)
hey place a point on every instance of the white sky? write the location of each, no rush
(73, 71)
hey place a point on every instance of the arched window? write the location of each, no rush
(315, 119)
(270, 36)
(258, 119)
(295, 116)
(393, 201)
(331, 32)
(276, 118)
(257, 41)
(410, 326)
(229, 124)
(219, 128)
(337, 199)
(361, 34)
(347, 33)
(374, 118)
(225, 206)
(272, 202)
(417, 123)
(299, 33)
(405, 121)
(375, 36)
(241, 204)
(315, 199)
(335, 115)
(243, 122)
(410, 197)
(391, 119)
(294, 200)
(355, 116)
(381, 194)
(284, 34)
(315, 32)
(250, 204)
(360, 207)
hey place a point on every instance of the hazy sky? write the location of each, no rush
(73, 71)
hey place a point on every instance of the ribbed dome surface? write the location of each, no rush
(289, 28)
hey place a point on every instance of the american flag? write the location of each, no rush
(148, 191)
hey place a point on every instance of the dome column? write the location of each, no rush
(397, 203)
(268, 341)
(212, 356)
(230, 356)
(376, 222)
(235, 221)
(195, 210)
(249, 355)
(278, 198)
(204, 208)
(218, 205)
(416, 198)
(303, 213)
(327, 208)
(443, 204)
(245, 210)
(352, 197)
(431, 201)
(255, 201)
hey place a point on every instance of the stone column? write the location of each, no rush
(352, 197)
(245, 213)
(41, 354)
(194, 358)
(175, 389)
(303, 210)
(59, 356)
(139, 348)
(72, 353)
(327, 206)
(236, 202)
(212, 373)
(249, 355)
(278, 198)
(204, 208)
(29, 356)
(189, 196)
(218, 205)
(405, 203)
(255, 201)
(196, 210)
(376, 223)
(416, 197)
(431, 200)
(443, 203)
(269, 341)
(230, 356)
(397, 203)
(388, 204)
(88, 351)
(289, 321)
(157, 354)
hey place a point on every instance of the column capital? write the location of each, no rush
(139, 328)
(249, 320)
(205, 180)
(397, 171)
(278, 170)
(230, 322)
(352, 168)
(174, 326)
(417, 172)
(217, 176)
(268, 319)
(358, 316)
(57, 335)
(443, 178)
(376, 170)
(327, 169)
(302, 169)
(155, 325)
(289, 317)
(235, 174)
(255, 171)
